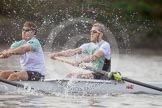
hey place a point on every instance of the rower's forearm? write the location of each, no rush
(17, 51)
(88, 59)
(64, 53)
(68, 53)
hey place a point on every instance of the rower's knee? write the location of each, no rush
(69, 75)
(85, 76)
(13, 76)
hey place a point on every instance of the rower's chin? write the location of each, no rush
(93, 41)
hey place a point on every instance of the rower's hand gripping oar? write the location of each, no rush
(113, 75)
(1, 56)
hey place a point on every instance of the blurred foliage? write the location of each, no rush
(140, 19)
(147, 8)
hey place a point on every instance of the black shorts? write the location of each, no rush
(34, 76)
(99, 76)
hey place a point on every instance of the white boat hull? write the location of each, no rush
(82, 86)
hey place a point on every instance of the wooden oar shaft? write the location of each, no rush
(142, 84)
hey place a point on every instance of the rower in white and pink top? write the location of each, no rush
(99, 54)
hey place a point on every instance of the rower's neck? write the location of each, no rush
(97, 42)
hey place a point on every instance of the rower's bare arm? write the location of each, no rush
(6, 53)
(66, 53)
(92, 57)
(98, 54)
(3, 54)
(72, 52)
(20, 50)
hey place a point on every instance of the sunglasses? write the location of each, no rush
(94, 31)
(27, 30)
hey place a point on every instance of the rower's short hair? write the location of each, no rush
(31, 25)
(101, 27)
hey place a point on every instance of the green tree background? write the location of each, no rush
(140, 19)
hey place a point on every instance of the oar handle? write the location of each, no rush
(62, 60)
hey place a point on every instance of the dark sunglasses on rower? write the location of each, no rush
(94, 31)
(26, 30)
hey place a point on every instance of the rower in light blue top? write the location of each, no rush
(31, 56)
(33, 60)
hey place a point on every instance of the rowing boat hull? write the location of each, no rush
(82, 86)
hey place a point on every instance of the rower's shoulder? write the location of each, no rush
(17, 44)
(106, 44)
(34, 41)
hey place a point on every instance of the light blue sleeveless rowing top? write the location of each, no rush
(32, 60)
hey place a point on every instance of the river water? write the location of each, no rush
(139, 66)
